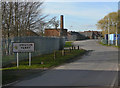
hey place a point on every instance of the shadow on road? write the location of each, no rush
(72, 79)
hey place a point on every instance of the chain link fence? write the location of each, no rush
(43, 45)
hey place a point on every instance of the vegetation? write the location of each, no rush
(46, 60)
(23, 19)
(53, 23)
(20, 17)
(111, 20)
(68, 44)
(38, 63)
(108, 45)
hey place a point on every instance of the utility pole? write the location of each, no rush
(116, 36)
(108, 32)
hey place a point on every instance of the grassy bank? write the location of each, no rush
(68, 44)
(108, 45)
(38, 63)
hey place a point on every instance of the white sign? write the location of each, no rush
(23, 47)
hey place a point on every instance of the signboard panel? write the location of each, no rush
(23, 47)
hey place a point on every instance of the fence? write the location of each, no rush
(43, 45)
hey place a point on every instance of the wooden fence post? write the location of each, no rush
(70, 49)
(63, 52)
(54, 55)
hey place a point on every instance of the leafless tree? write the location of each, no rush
(53, 23)
(19, 17)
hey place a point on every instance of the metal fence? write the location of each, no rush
(43, 45)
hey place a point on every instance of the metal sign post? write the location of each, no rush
(17, 60)
(23, 48)
(29, 59)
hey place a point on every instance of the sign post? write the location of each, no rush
(29, 59)
(22, 48)
(17, 60)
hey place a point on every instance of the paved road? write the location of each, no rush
(96, 69)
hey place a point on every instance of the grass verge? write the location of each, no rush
(108, 45)
(12, 73)
(68, 44)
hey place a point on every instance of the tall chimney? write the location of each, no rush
(61, 22)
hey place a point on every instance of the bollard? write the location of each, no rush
(78, 48)
(54, 55)
(72, 47)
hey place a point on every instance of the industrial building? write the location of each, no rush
(92, 34)
(74, 36)
(57, 32)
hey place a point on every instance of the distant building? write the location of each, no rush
(92, 34)
(31, 33)
(55, 32)
(20, 34)
(74, 36)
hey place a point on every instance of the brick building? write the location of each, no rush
(55, 32)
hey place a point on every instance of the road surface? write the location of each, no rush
(96, 69)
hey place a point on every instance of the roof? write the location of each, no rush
(54, 29)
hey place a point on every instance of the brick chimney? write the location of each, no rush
(61, 22)
(61, 25)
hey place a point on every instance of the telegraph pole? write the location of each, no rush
(108, 32)
(116, 36)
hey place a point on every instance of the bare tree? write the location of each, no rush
(53, 23)
(19, 17)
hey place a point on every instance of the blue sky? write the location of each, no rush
(80, 16)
